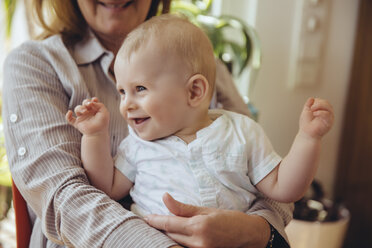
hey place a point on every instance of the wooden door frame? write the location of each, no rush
(354, 174)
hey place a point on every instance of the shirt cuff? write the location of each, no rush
(135, 233)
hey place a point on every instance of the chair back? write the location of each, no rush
(22, 219)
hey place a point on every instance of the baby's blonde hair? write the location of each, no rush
(178, 36)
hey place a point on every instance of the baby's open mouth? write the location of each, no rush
(140, 120)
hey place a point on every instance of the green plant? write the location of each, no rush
(5, 176)
(9, 6)
(236, 55)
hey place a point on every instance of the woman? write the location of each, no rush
(43, 79)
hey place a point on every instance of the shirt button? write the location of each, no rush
(21, 151)
(13, 118)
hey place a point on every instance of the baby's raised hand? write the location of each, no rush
(92, 117)
(316, 118)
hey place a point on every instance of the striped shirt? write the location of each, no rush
(42, 80)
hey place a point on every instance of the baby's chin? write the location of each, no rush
(152, 135)
(149, 137)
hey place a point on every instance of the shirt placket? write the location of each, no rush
(206, 182)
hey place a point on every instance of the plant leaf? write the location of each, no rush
(10, 6)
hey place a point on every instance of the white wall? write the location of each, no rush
(279, 106)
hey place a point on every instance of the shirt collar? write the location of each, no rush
(220, 122)
(89, 49)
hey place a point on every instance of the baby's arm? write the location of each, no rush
(289, 181)
(92, 120)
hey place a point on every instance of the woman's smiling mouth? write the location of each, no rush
(115, 5)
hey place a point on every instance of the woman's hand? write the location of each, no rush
(207, 227)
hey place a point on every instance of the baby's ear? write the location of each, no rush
(198, 89)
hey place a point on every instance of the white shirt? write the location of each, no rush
(218, 169)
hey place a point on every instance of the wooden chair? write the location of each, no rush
(22, 219)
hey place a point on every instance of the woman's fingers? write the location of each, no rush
(209, 227)
(169, 224)
(181, 239)
(187, 231)
(180, 209)
(187, 226)
(175, 224)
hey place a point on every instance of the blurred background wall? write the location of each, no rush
(280, 105)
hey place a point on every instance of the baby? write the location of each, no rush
(165, 72)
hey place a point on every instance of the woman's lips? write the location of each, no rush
(115, 5)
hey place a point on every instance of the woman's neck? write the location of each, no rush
(111, 43)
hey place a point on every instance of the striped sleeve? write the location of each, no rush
(44, 157)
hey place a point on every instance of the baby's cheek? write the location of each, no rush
(122, 110)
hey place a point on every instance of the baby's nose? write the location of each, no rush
(129, 103)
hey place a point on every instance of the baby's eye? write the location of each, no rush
(140, 88)
(122, 91)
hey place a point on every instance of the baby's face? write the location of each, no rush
(153, 93)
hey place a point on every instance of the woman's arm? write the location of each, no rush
(194, 226)
(44, 157)
(275, 213)
(227, 93)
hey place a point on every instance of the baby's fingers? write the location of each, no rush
(309, 102)
(321, 104)
(70, 118)
(92, 104)
(325, 116)
(80, 110)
